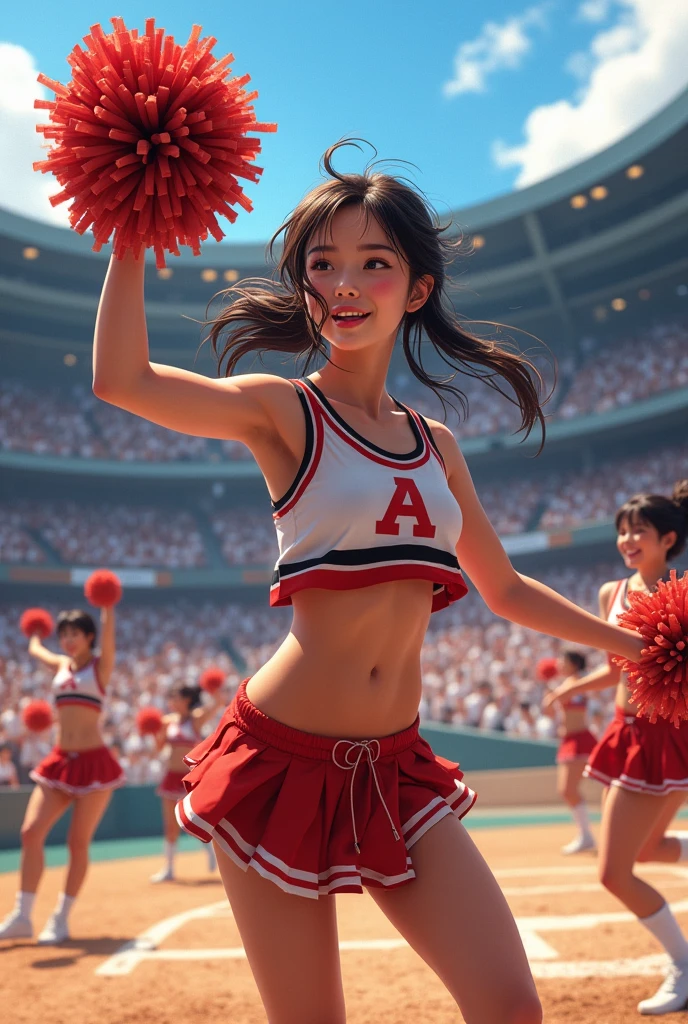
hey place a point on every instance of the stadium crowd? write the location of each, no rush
(478, 671)
(72, 422)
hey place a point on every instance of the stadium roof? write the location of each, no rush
(591, 244)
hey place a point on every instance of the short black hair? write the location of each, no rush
(77, 619)
(577, 659)
(190, 693)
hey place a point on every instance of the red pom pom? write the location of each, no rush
(659, 682)
(546, 669)
(150, 138)
(212, 679)
(37, 716)
(103, 589)
(149, 721)
(36, 622)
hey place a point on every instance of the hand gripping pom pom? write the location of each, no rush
(149, 139)
(37, 716)
(103, 589)
(149, 721)
(36, 622)
(212, 679)
(546, 669)
(659, 682)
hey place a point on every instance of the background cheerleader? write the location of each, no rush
(643, 764)
(179, 731)
(79, 771)
(577, 742)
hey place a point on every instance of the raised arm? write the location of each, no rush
(508, 593)
(234, 409)
(37, 650)
(106, 662)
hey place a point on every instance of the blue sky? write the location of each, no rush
(383, 70)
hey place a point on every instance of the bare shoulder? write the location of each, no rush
(445, 441)
(276, 396)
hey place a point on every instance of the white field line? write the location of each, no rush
(555, 890)
(589, 868)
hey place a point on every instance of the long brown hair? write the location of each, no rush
(263, 315)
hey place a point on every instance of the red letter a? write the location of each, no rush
(399, 506)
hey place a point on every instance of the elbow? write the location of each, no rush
(503, 601)
(103, 389)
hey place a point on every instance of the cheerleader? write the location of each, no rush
(643, 765)
(181, 730)
(316, 780)
(576, 743)
(79, 771)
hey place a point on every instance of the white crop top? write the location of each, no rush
(81, 687)
(357, 515)
(619, 602)
(181, 733)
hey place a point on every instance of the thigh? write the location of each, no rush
(88, 810)
(44, 808)
(628, 821)
(291, 944)
(456, 918)
(671, 804)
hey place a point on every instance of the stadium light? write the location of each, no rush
(231, 275)
(30, 252)
(69, 359)
(599, 192)
(165, 273)
(578, 202)
(208, 274)
(644, 294)
(478, 241)
(619, 305)
(635, 171)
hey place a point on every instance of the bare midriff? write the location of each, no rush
(350, 666)
(78, 728)
(623, 699)
(575, 720)
(173, 756)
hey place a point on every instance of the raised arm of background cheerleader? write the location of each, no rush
(37, 650)
(106, 662)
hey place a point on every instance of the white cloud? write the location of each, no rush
(496, 48)
(637, 66)
(22, 189)
(594, 10)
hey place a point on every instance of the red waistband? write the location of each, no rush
(307, 744)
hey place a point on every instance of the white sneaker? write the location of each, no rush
(16, 927)
(671, 995)
(164, 875)
(581, 844)
(55, 931)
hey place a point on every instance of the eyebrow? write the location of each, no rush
(360, 248)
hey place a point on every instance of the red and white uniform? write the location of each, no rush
(357, 515)
(575, 746)
(318, 814)
(634, 753)
(179, 733)
(79, 771)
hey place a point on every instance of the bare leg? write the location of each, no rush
(170, 827)
(292, 947)
(660, 847)
(628, 822)
(45, 807)
(569, 776)
(456, 918)
(88, 810)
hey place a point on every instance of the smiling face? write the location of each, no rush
(640, 544)
(177, 704)
(75, 643)
(363, 282)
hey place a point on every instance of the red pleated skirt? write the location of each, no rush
(79, 771)
(172, 786)
(575, 746)
(641, 756)
(313, 814)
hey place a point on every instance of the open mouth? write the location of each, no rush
(349, 319)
